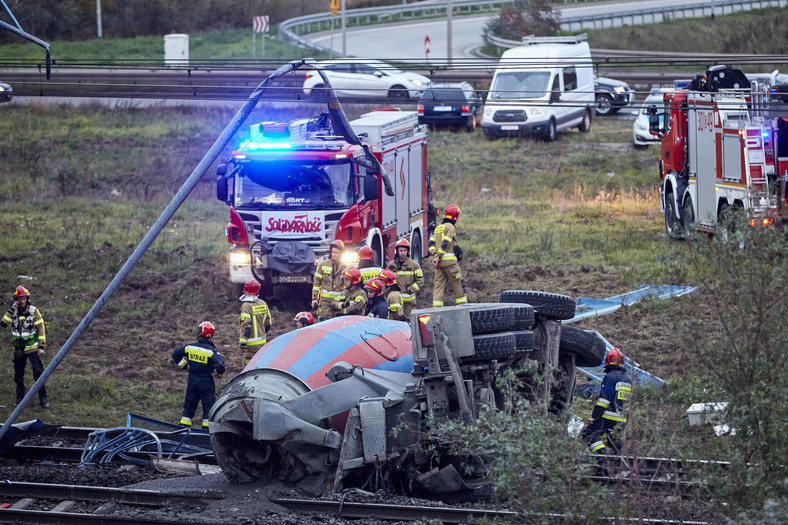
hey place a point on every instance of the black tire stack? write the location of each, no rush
(500, 331)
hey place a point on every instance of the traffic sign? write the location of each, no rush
(427, 45)
(334, 7)
(260, 24)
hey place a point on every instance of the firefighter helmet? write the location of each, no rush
(366, 253)
(614, 357)
(452, 212)
(306, 318)
(339, 245)
(21, 291)
(352, 273)
(388, 277)
(207, 330)
(376, 285)
(252, 287)
(402, 243)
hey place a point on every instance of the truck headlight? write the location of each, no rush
(350, 257)
(239, 258)
(619, 89)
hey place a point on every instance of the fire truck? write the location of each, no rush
(722, 148)
(295, 187)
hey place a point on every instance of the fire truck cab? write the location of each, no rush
(295, 187)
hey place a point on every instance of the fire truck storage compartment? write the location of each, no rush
(703, 158)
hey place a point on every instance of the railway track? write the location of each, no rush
(73, 504)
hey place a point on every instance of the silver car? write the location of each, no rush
(365, 78)
(641, 136)
(6, 92)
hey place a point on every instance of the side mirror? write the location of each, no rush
(656, 122)
(555, 96)
(222, 187)
(378, 73)
(371, 192)
(221, 169)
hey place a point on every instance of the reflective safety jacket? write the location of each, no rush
(613, 395)
(254, 322)
(368, 272)
(410, 278)
(327, 284)
(27, 324)
(356, 300)
(200, 357)
(442, 242)
(394, 302)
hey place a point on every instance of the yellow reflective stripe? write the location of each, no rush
(461, 300)
(329, 294)
(242, 341)
(245, 317)
(404, 272)
(437, 303)
(415, 287)
(40, 321)
(256, 339)
(597, 445)
(614, 416)
(395, 306)
(182, 363)
(601, 402)
(256, 343)
(449, 257)
(186, 421)
(204, 424)
(407, 297)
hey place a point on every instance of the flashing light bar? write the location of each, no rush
(765, 133)
(251, 146)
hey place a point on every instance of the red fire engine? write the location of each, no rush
(295, 187)
(722, 148)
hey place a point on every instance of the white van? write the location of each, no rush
(540, 88)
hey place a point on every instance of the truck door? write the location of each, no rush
(703, 160)
(403, 190)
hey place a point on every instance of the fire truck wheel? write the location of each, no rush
(490, 317)
(672, 226)
(498, 346)
(585, 124)
(687, 215)
(589, 349)
(416, 248)
(523, 315)
(556, 306)
(550, 134)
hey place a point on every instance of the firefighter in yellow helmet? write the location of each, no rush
(254, 322)
(409, 275)
(29, 339)
(327, 281)
(446, 252)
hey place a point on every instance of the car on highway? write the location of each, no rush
(6, 91)
(611, 95)
(365, 78)
(641, 136)
(450, 104)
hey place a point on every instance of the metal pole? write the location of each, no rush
(176, 202)
(448, 31)
(254, 43)
(98, 17)
(344, 31)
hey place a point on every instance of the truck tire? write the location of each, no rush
(604, 104)
(589, 349)
(525, 340)
(672, 225)
(490, 317)
(416, 248)
(523, 315)
(551, 133)
(498, 346)
(556, 306)
(687, 216)
(585, 124)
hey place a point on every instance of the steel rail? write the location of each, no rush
(44, 517)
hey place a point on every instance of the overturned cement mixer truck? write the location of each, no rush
(318, 407)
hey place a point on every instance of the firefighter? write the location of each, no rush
(369, 270)
(393, 295)
(201, 359)
(254, 322)
(409, 275)
(447, 270)
(327, 282)
(354, 300)
(376, 303)
(610, 412)
(303, 319)
(28, 336)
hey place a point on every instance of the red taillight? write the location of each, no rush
(425, 330)
(420, 108)
(766, 221)
(236, 231)
(466, 109)
(308, 75)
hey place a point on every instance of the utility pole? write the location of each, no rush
(98, 18)
(344, 30)
(448, 31)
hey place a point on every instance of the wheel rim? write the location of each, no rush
(552, 131)
(688, 217)
(670, 215)
(603, 105)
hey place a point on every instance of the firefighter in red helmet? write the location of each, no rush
(354, 300)
(201, 359)
(393, 295)
(409, 275)
(446, 252)
(376, 303)
(610, 412)
(327, 281)
(255, 321)
(28, 336)
(366, 263)
(303, 319)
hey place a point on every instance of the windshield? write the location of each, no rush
(285, 185)
(515, 85)
(654, 99)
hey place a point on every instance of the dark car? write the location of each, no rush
(450, 104)
(611, 95)
(5, 92)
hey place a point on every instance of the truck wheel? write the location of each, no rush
(589, 349)
(490, 317)
(585, 124)
(551, 133)
(604, 104)
(498, 346)
(416, 248)
(523, 315)
(672, 225)
(559, 307)
(377, 249)
(687, 216)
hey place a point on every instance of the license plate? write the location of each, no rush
(442, 108)
(510, 127)
(292, 279)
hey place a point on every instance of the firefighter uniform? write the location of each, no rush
(410, 279)
(253, 324)
(610, 410)
(377, 307)
(447, 273)
(353, 302)
(28, 336)
(201, 359)
(394, 302)
(327, 286)
(369, 270)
